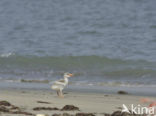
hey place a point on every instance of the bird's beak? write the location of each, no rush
(71, 75)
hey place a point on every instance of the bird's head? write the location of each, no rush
(67, 75)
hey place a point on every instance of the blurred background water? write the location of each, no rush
(104, 42)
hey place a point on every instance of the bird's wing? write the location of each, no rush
(60, 82)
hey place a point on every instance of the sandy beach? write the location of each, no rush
(95, 103)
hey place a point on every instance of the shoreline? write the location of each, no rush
(136, 91)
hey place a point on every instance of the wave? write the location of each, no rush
(92, 68)
(73, 61)
(69, 60)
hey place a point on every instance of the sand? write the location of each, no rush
(97, 103)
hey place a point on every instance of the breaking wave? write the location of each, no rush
(88, 68)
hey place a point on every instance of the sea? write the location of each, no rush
(104, 43)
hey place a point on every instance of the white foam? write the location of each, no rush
(6, 55)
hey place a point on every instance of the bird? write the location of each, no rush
(59, 85)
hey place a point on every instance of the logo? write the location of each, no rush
(125, 109)
(139, 109)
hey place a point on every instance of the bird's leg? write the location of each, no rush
(57, 93)
(61, 94)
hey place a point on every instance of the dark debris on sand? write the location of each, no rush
(84, 114)
(14, 108)
(106, 114)
(77, 114)
(44, 108)
(119, 113)
(64, 114)
(3, 109)
(7, 107)
(20, 112)
(44, 102)
(70, 108)
(122, 92)
(116, 113)
(65, 108)
(4, 103)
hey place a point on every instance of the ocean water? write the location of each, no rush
(103, 42)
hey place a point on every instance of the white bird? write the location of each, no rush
(59, 85)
